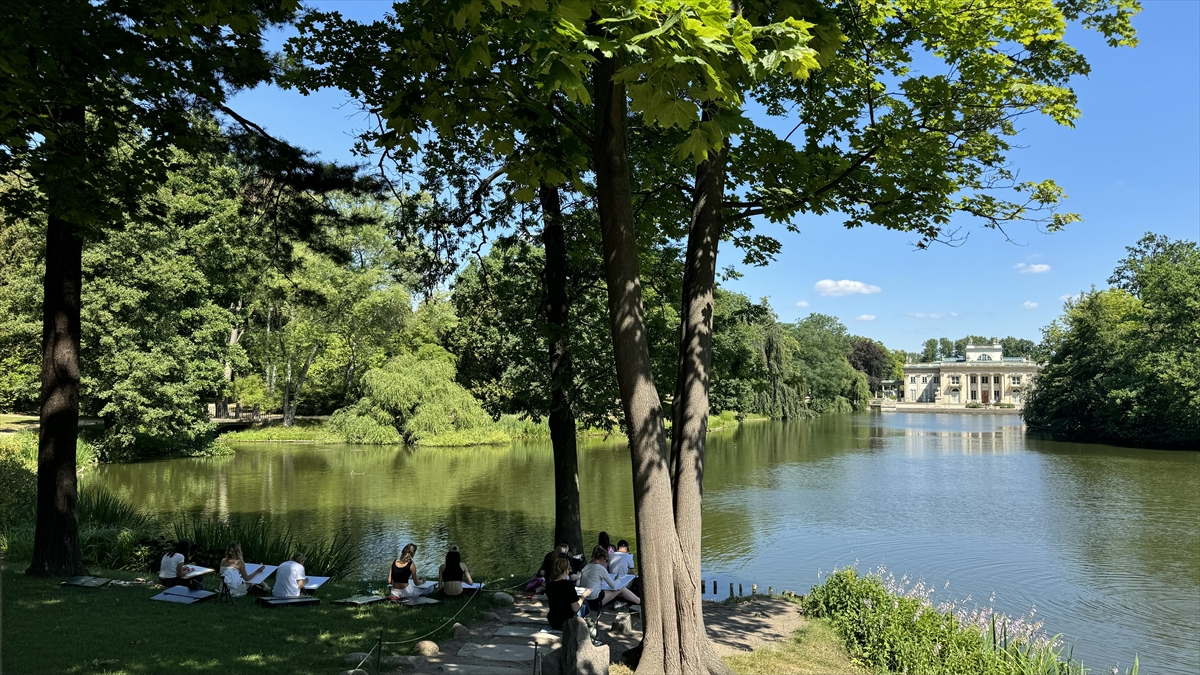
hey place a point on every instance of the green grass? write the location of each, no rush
(10, 422)
(312, 431)
(814, 648)
(50, 629)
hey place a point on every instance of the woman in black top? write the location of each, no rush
(402, 575)
(564, 601)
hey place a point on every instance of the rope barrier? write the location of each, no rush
(447, 622)
(373, 648)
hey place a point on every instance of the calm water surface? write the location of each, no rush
(1104, 542)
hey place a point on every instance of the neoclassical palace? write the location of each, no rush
(983, 376)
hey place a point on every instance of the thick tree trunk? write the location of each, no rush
(669, 645)
(690, 408)
(56, 535)
(567, 525)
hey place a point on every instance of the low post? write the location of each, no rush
(770, 591)
(714, 586)
(702, 586)
(753, 589)
(731, 589)
(739, 590)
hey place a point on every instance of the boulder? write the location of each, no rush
(460, 632)
(355, 658)
(577, 656)
(427, 648)
(412, 661)
(490, 616)
(503, 598)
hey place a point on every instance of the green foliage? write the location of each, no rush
(897, 633)
(264, 540)
(303, 430)
(1123, 363)
(413, 398)
(973, 404)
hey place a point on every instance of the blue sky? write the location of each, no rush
(1131, 164)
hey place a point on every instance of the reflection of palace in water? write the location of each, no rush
(999, 440)
(984, 376)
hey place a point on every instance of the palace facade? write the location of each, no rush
(983, 376)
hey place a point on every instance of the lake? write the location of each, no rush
(1104, 542)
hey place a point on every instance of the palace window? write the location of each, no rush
(984, 379)
(984, 357)
(973, 379)
(912, 394)
(1016, 379)
(954, 379)
(912, 380)
(974, 394)
(937, 379)
(924, 379)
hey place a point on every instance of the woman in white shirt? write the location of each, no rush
(233, 570)
(172, 569)
(595, 575)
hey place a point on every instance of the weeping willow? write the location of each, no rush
(414, 399)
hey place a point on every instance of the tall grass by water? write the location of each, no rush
(894, 626)
(266, 542)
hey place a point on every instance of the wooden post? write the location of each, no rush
(714, 586)
(702, 586)
(753, 589)
(739, 590)
(379, 651)
(731, 589)
(770, 591)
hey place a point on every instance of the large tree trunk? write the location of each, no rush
(669, 645)
(689, 411)
(56, 536)
(567, 526)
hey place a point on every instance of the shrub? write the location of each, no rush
(974, 405)
(18, 474)
(1007, 406)
(895, 629)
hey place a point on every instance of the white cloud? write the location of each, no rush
(1069, 296)
(802, 303)
(1036, 268)
(844, 287)
(1029, 304)
(865, 317)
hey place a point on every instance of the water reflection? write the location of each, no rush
(1105, 541)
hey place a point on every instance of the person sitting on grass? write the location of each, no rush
(546, 572)
(564, 601)
(172, 569)
(605, 543)
(233, 571)
(453, 573)
(289, 578)
(595, 574)
(403, 577)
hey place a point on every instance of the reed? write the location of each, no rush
(266, 542)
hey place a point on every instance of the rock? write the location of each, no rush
(460, 632)
(355, 658)
(427, 648)
(577, 656)
(490, 616)
(414, 661)
(356, 671)
(622, 624)
(503, 598)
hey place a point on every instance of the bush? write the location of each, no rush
(1007, 406)
(18, 474)
(303, 430)
(974, 405)
(899, 630)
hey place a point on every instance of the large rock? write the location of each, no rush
(577, 656)
(490, 616)
(427, 648)
(503, 598)
(622, 624)
(355, 658)
(460, 632)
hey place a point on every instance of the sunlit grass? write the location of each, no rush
(814, 648)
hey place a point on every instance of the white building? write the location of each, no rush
(984, 376)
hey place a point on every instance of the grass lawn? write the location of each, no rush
(814, 648)
(313, 431)
(10, 422)
(51, 629)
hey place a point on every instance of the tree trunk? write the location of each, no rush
(662, 564)
(690, 407)
(567, 525)
(289, 405)
(56, 535)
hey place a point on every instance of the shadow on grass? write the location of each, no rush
(51, 629)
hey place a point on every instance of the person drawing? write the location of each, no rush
(620, 562)
(403, 577)
(564, 601)
(289, 578)
(233, 571)
(545, 573)
(173, 568)
(453, 573)
(595, 575)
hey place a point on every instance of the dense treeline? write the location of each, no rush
(934, 349)
(1123, 363)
